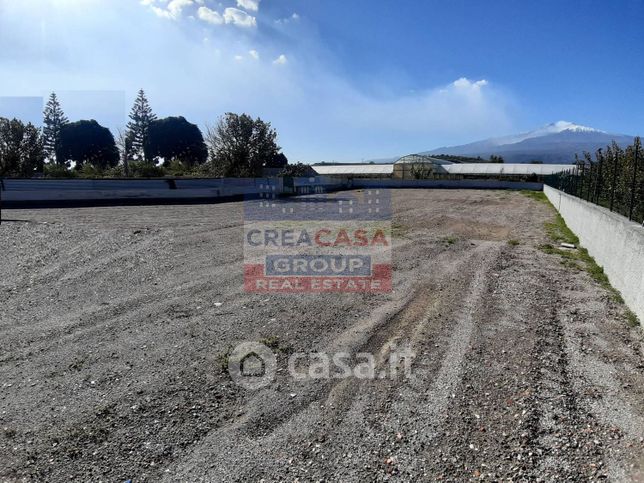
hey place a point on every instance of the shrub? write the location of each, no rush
(176, 168)
(90, 171)
(141, 169)
(297, 170)
(58, 171)
(115, 172)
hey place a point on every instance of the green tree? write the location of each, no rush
(53, 121)
(297, 170)
(32, 151)
(21, 148)
(633, 181)
(175, 138)
(278, 161)
(123, 146)
(241, 146)
(141, 116)
(87, 142)
(10, 139)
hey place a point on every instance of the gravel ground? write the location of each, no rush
(115, 321)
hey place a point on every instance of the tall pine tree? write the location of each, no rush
(141, 116)
(54, 120)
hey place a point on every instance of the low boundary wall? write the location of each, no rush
(92, 192)
(614, 242)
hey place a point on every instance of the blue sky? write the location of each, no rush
(340, 80)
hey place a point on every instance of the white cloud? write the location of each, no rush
(173, 9)
(239, 58)
(463, 110)
(230, 16)
(254, 54)
(176, 6)
(239, 17)
(465, 83)
(210, 16)
(281, 60)
(252, 5)
(283, 21)
(160, 12)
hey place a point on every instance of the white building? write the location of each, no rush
(418, 166)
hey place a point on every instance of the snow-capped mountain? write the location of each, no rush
(552, 128)
(554, 143)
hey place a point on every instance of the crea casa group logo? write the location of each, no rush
(339, 242)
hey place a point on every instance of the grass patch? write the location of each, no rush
(450, 240)
(571, 264)
(536, 195)
(514, 242)
(631, 318)
(578, 259)
(552, 250)
(274, 343)
(559, 232)
(398, 230)
(224, 359)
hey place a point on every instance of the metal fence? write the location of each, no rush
(614, 180)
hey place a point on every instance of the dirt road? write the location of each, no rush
(115, 324)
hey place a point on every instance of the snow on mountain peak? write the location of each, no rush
(552, 128)
(560, 126)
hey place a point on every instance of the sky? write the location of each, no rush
(340, 80)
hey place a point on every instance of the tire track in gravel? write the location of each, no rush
(85, 321)
(523, 414)
(481, 429)
(420, 405)
(325, 409)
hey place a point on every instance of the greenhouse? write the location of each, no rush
(418, 166)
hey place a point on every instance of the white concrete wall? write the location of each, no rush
(492, 184)
(614, 242)
(16, 191)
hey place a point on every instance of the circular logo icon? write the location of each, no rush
(252, 365)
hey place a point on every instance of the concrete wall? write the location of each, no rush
(446, 184)
(614, 242)
(53, 192)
